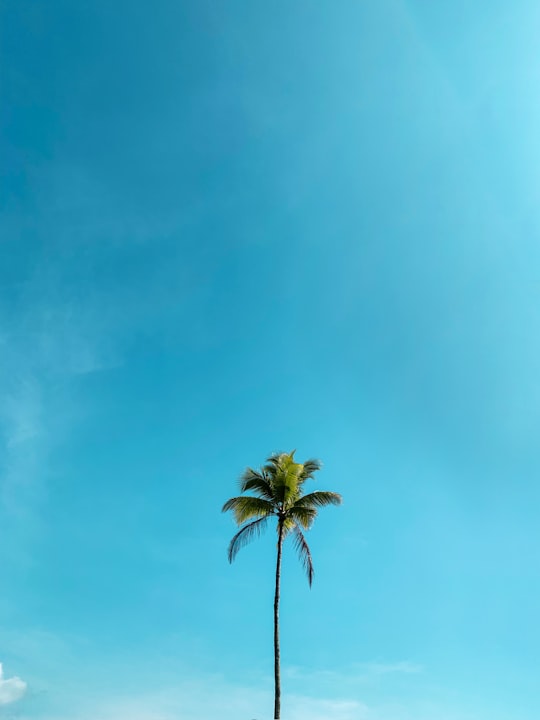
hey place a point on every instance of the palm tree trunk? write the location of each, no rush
(277, 678)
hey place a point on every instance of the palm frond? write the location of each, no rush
(246, 535)
(302, 515)
(247, 507)
(273, 462)
(288, 525)
(310, 468)
(304, 553)
(257, 483)
(319, 498)
(284, 474)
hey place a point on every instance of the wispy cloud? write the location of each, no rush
(309, 708)
(359, 672)
(158, 687)
(64, 320)
(11, 689)
(380, 668)
(210, 697)
(24, 454)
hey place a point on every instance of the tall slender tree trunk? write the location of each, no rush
(277, 678)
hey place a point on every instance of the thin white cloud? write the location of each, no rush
(210, 697)
(359, 672)
(214, 698)
(11, 689)
(379, 668)
(299, 707)
(122, 690)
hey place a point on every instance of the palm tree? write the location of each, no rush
(278, 491)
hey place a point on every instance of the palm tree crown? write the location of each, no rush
(278, 491)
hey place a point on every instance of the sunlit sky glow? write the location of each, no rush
(231, 228)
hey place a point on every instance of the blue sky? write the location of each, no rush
(230, 228)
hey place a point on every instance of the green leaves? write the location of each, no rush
(277, 489)
(304, 553)
(246, 535)
(245, 508)
(285, 477)
(320, 498)
(302, 515)
(257, 483)
(309, 469)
